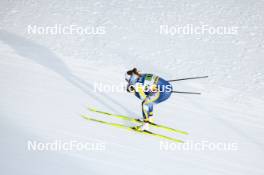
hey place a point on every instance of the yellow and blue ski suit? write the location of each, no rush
(152, 90)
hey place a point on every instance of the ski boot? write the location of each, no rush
(145, 125)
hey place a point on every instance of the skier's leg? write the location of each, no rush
(151, 109)
(147, 110)
(147, 105)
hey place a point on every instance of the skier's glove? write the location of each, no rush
(130, 89)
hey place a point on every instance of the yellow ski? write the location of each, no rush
(133, 120)
(131, 129)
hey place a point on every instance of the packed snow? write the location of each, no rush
(47, 80)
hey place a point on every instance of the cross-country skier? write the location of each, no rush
(150, 89)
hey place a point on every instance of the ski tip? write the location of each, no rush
(83, 116)
(91, 109)
(176, 140)
(184, 132)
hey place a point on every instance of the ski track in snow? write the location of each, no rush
(47, 81)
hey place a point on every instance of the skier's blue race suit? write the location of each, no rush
(152, 90)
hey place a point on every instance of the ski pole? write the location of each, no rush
(180, 92)
(187, 78)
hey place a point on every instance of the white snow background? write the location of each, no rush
(47, 81)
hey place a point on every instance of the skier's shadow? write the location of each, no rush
(45, 57)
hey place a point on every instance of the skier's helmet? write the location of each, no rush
(131, 76)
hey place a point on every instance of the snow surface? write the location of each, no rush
(47, 81)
